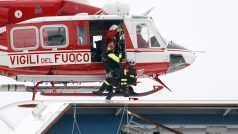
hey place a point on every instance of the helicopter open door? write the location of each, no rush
(98, 44)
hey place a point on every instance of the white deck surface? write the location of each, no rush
(21, 120)
(14, 119)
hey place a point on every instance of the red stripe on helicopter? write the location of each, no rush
(146, 50)
(58, 58)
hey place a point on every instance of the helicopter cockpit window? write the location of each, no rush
(24, 38)
(173, 45)
(54, 36)
(82, 35)
(142, 35)
(145, 36)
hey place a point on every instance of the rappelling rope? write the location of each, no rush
(74, 106)
(125, 109)
(127, 118)
(121, 118)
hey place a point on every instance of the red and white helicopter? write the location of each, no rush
(56, 41)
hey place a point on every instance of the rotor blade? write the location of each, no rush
(199, 51)
(162, 83)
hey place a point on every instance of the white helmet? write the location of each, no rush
(131, 63)
(113, 27)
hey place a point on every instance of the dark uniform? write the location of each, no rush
(126, 78)
(121, 83)
(121, 49)
(110, 60)
(111, 63)
(132, 79)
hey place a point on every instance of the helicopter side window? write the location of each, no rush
(54, 36)
(145, 36)
(142, 35)
(82, 35)
(24, 38)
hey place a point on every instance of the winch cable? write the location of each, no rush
(125, 109)
(127, 119)
(74, 106)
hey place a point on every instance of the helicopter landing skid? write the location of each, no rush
(154, 90)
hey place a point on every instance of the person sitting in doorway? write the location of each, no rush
(113, 34)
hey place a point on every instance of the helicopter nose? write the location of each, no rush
(180, 61)
(187, 58)
(190, 58)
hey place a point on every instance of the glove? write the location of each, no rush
(120, 55)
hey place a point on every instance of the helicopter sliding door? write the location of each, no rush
(81, 46)
(98, 41)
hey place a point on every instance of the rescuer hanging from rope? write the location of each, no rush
(111, 63)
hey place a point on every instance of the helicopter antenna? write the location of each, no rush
(199, 51)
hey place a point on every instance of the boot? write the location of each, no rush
(110, 95)
(101, 90)
(132, 92)
(99, 93)
(125, 92)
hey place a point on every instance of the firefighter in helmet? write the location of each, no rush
(115, 34)
(126, 78)
(111, 63)
(132, 77)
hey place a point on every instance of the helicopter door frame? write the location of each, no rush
(81, 47)
(98, 30)
(82, 38)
